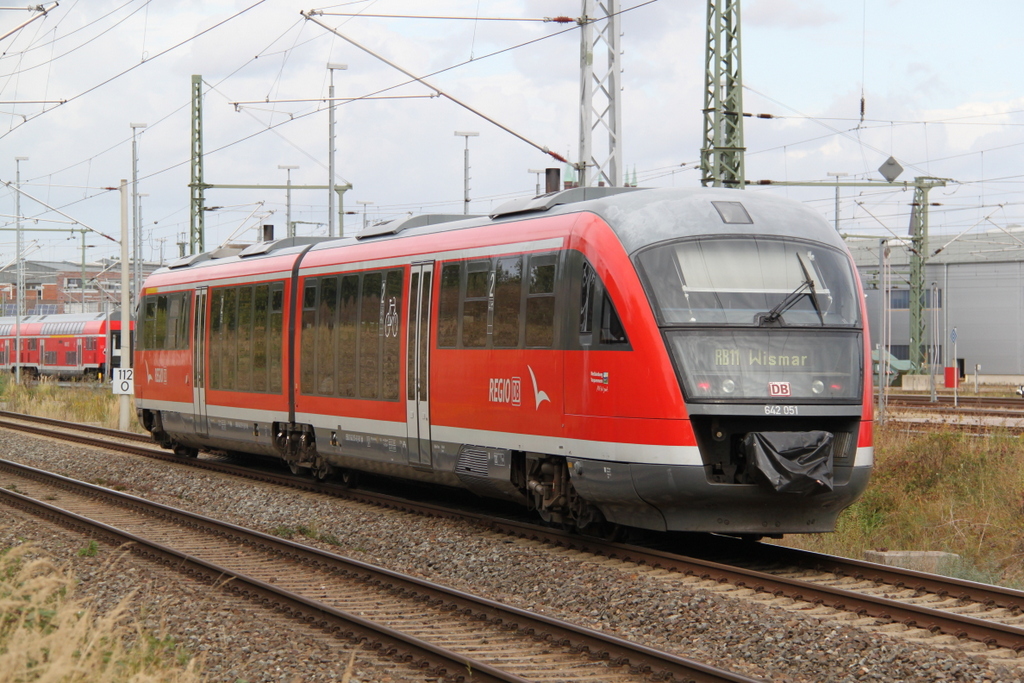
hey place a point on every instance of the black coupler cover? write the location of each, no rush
(792, 462)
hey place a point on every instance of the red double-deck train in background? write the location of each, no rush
(665, 359)
(65, 345)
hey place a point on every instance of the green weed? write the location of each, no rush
(90, 550)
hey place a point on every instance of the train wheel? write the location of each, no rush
(606, 531)
(185, 451)
(321, 468)
(294, 467)
(348, 478)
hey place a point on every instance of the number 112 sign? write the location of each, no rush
(124, 381)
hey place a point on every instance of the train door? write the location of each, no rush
(417, 373)
(199, 362)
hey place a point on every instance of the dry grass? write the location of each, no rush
(46, 634)
(89, 403)
(946, 491)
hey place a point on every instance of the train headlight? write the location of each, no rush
(817, 386)
(728, 386)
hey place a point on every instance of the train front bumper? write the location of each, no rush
(681, 498)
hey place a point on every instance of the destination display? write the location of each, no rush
(769, 363)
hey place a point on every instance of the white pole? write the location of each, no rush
(330, 159)
(465, 170)
(136, 217)
(289, 229)
(330, 154)
(20, 297)
(125, 404)
(537, 172)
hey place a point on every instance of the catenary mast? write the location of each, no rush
(721, 157)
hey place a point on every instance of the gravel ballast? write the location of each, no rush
(241, 642)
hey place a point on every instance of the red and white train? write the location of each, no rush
(664, 359)
(61, 344)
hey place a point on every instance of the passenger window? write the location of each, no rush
(160, 334)
(275, 336)
(508, 290)
(183, 320)
(229, 349)
(348, 317)
(325, 331)
(259, 337)
(540, 302)
(612, 331)
(587, 287)
(448, 306)
(392, 360)
(148, 336)
(370, 315)
(477, 303)
(244, 382)
(308, 339)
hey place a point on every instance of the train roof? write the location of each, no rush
(639, 217)
(60, 318)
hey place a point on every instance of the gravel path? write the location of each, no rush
(663, 611)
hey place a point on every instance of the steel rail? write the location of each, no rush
(922, 582)
(989, 632)
(91, 429)
(639, 658)
(341, 624)
(959, 625)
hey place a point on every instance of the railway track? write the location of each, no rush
(967, 402)
(441, 631)
(974, 414)
(934, 609)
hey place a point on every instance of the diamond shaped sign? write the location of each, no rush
(891, 169)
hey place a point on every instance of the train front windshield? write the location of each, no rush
(754, 318)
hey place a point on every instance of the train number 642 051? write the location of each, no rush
(781, 410)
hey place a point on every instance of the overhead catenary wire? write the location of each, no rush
(297, 117)
(311, 17)
(648, 176)
(135, 66)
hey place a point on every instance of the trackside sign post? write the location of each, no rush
(124, 381)
(124, 404)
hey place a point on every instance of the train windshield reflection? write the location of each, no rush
(743, 280)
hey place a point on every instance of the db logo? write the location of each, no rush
(779, 389)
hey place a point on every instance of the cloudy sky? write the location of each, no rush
(939, 80)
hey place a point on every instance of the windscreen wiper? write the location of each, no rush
(805, 287)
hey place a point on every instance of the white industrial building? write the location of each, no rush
(974, 285)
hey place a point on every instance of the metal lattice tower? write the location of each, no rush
(918, 257)
(197, 239)
(721, 157)
(600, 108)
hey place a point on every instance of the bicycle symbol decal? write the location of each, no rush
(391, 319)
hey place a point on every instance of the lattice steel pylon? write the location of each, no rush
(721, 157)
(197, 239)
(600, 107)
(918, 259)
